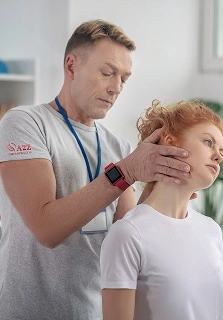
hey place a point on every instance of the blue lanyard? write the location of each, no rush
(80, 144)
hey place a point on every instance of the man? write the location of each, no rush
(56, 201)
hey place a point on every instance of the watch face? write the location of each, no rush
(113, 175)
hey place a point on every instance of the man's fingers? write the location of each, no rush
(172, 151)
(166, 179)
(174, 173)
(193, 196)
(158, 162)
(166, 163)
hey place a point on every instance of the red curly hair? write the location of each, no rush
(177, 119)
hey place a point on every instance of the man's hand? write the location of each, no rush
(153, 162)
(193, 196)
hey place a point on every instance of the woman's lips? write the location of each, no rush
(213, 167)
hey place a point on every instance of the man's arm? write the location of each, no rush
(125, 202)
(31, 187)
(118, 304)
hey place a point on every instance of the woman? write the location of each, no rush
(164, 260)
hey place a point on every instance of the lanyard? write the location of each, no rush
(80, 144)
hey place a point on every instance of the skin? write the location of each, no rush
(204, 143)
(93, 79)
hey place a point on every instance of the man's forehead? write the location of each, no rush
(110, 49)
(107, 52)
(115, 68)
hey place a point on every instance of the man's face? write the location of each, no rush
(99, 76)
(204, 143)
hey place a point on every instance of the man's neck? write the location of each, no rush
(71, 114)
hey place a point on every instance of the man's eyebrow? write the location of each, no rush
(111, 65)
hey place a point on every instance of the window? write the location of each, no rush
(211, 35)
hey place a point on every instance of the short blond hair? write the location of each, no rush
(92, 31)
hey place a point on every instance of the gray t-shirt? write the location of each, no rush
(38, 283)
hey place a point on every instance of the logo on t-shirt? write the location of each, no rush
(18, 149)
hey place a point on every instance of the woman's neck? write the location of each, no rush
(170, 200)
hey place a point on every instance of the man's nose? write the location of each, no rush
(115, 86)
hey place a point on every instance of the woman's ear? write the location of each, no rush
(170, 140)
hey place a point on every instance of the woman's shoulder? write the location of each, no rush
(205, 222)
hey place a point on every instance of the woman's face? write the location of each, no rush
(204, 143)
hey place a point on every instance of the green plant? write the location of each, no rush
(210, 201)
(213, 200)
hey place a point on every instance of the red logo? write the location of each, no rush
(11, 146)
(19, 149)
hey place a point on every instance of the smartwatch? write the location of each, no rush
(116, 177)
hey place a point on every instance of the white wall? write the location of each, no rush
(36, 29)
(165, 64)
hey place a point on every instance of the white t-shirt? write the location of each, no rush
(175, 265)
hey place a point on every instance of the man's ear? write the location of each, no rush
(170, 140)
(69, 65)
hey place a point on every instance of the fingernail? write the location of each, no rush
(186, 168)
(185, 174)
(184, 154)
(177, 181)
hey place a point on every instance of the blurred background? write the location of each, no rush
(167, 64)
(178, 57)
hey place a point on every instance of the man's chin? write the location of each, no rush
(101, 115)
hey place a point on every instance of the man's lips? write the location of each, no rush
(107, 101)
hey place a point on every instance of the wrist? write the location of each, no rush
(116, 177)
(123, 165)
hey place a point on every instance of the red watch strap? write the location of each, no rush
(121, 183)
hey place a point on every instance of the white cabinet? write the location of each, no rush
(20, 85)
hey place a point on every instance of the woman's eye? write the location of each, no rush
(208, 142)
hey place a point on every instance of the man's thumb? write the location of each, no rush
(155, 136)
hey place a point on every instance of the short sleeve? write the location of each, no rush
(220, 240)
(121, 256)
(22, 137)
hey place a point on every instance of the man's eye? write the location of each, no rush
(208, 142)
(106, 74)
